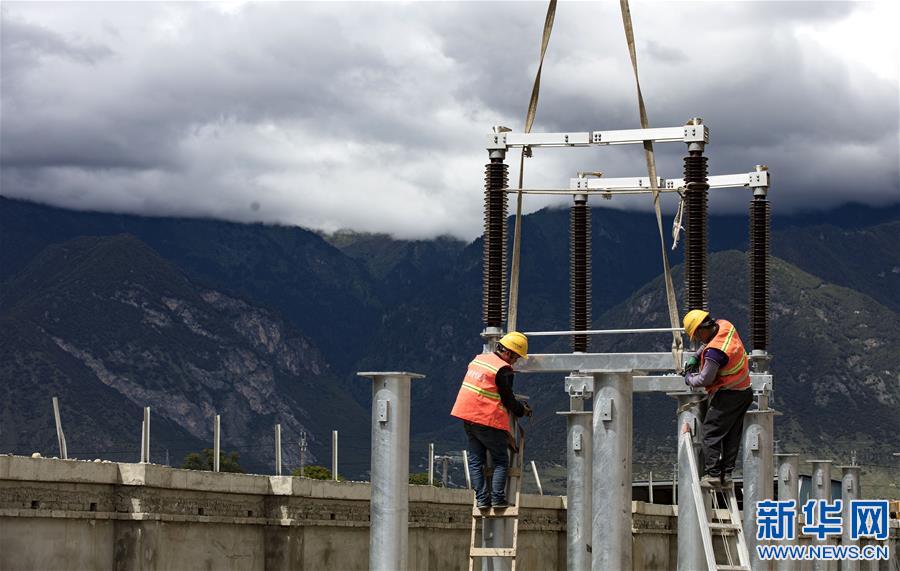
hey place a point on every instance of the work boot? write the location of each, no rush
(727, 481)
(483, 505)
(500, 505)
(709, 481)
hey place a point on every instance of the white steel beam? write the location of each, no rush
(741, 180)
(675, 383)
(683, 134)
(595, 362)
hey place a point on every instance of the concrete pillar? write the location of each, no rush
(690, 543)
(611, 497)
(820, 489)
(389, 532)
(759, 471)
(578, 486)
(788, 489)
(849, 491)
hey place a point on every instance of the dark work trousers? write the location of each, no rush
(722, 429)
(484, 439)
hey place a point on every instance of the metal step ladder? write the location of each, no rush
(514, 478)
(729, 528)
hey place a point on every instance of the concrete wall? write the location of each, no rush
(70, 514)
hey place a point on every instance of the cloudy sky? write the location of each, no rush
(373, 116)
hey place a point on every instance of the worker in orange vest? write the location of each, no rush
(483, 404)
(722, 367)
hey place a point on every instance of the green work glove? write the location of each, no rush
(692, 365)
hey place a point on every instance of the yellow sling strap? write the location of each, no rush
(512, 314)
(677, 344)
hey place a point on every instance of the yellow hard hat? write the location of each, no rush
(515, 342)
(693, 319)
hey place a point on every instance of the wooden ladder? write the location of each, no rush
(729, 529)
(514, 478)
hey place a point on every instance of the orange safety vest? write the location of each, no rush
(478, 400)
(735, 375)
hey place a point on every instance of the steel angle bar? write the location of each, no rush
(595, 362)
(629, 183)
(547, 139)
(675, 383)
(683, 134)
(603, 331)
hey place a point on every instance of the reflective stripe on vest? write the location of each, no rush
(736, 376)
(478, 400)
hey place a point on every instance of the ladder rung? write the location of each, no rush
(732, 568)
(492, 552)
(725, 526)
(511, 511)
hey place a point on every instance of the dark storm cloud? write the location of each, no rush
(372, 116)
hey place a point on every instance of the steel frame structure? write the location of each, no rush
(600, 478)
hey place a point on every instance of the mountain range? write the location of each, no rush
(264, 324)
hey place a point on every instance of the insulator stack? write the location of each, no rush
(580, 272)
(696, 288)
(494, 269)
(760, 225)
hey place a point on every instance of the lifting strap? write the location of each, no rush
(677, 343)
(512, 314)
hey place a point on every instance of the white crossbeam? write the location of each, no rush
(683, 134)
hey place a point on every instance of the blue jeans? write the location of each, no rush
(484, 439)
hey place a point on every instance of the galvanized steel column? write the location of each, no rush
(690, 543)
(611, 498)
(849, 491)
(759, 471)
(820, 489)
(389, 531)
(788, 489)
(578, 486)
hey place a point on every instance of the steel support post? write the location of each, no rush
(788, 489)
(278, 449)
(690, 542)
(466, 469)
(759, 472)
(60, 437)
(849, 491)
(611, 480)
(820, 489)
(498, 532)
(145, 444)
(578, 486)
(334, 455)
(389, 531)
(217, 446)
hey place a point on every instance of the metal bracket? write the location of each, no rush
(383, 410)
(605, 409)
(577, 442)
(754, 441)
(786, 474)
(496, 141)
(580, 386)
(758, 178)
